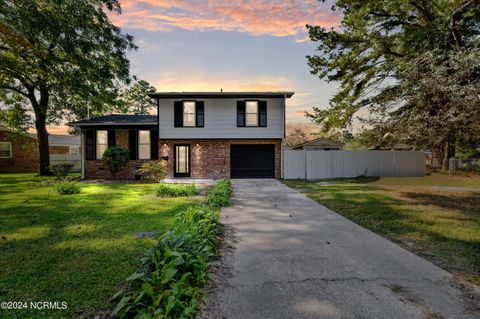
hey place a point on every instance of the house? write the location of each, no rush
(19, 152)
(320, 143)
(199, 134)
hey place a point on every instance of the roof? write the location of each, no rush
(117, 119)
(323, 141)
(219, 95)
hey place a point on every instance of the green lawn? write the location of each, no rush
(77, 248)
(420, 214)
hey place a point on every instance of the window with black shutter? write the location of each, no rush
(240, 113)
(178, 116)
(132, 144)
(262, 113)
(154, 144)
(89, 145)
(111, 138)
(200, 114)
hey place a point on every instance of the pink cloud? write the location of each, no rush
(277, 18)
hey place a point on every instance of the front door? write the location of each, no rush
(182, 161)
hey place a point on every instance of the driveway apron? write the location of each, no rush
(294, 258)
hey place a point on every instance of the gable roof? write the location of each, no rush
(217, 95)
(117, 119)
(323, 141)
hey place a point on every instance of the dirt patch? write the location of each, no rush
(471, 293)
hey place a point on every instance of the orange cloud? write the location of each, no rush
(277, 18)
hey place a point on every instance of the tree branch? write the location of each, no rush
(457, 15)
(14, 89)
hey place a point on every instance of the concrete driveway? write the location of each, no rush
(294, 258)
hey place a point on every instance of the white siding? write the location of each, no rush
(221, 121)
(337, 164)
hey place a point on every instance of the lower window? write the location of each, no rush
(5, 149)
(182, 161)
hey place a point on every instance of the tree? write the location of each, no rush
(373, 53)
(297, 136)
(64, 57)
(135, 98)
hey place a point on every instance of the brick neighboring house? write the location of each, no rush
(19, 152)
(199, 134)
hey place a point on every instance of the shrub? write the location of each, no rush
(60, 171)
(115, 158)
(66, 187)
(175, 271)
(176, 190)
(219, 194)
(155, 171)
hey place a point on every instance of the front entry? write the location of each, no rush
(182, 161)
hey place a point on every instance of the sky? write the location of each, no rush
(236, 45)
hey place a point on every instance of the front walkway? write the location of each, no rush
(294, 258)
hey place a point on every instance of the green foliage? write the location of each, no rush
(219, 194)
(60, 171)
(154, 171)
(297, 136)
(135, 98)
(64, 58)
(176, 190)
(175, 271)
(66, 187)
(115, 158)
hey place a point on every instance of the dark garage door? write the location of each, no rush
(252, 161)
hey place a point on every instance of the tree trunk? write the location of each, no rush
(40, 109)
(448, 152)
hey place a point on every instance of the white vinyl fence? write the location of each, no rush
(74, 159)
(336, 164)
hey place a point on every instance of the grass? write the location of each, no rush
(176, 190)
(420, 213)
(75, 248)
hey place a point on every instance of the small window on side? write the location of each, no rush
(102, 143)
(143, 144)
(5, 149)
(189, 113)
(74, 150)
(251, 113)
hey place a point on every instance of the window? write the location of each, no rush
(143, 144)
(5, 149)
(102, 143)
(74, 150)
(189, 113)
(251, 114)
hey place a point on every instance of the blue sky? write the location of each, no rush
(238, 45)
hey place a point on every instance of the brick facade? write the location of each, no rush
(211, 158)
(24, 153)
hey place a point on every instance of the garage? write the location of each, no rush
(252, 161)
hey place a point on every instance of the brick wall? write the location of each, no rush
(24, 153)
(96, 170)
(54, 149)
(211, 158)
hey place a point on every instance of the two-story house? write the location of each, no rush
(199, 134)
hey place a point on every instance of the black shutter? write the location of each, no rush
(111, 138)
(178, 117)
(154, 144)
(133, 144)
(89, 145)
(240, 113)
(200, 113)
(262, 113)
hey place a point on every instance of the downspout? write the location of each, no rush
(282, 157)
(82, 152)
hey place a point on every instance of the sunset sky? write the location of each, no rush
(235, 45)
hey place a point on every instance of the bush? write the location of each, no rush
(66, 188)
(155, 171)
(115, 158)
(60, 171)
(175, 271)
(219, 194)
(176, 190)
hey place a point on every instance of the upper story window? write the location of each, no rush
(251, 116)
(5, 149)
(102, 143)
(143, 144)
(189, 113)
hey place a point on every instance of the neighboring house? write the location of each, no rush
(321, 143)
(19, 152)
(200, 134)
